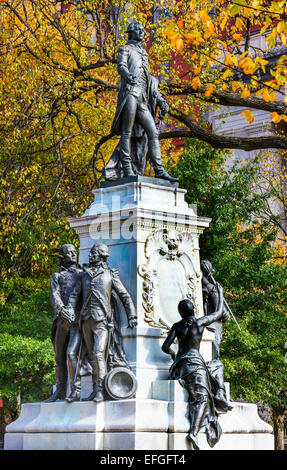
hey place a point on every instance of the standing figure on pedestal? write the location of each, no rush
(136, 112)
(65, 335)
(210, 304)
(197, 377)
(97, 284)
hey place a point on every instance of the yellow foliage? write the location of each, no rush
(247, 65)
(249, 116)
(57, 84)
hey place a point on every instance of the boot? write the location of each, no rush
(100, 392)
(125, 155)
(99, 396)
(165, 176)
(75, 394)
(95, 382)
(59, 394)
(155, 158)
(127, 169)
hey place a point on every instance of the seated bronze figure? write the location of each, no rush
(203, 381)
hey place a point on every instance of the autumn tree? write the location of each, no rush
(58, 91)
(59, 85)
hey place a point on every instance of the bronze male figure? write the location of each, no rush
(210, 304)
(135, 103)
(66, 335)
(97, 284)
(203, 381)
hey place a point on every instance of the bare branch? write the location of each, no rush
(220, 141)
(227, 98)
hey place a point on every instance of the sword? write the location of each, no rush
(78, 361)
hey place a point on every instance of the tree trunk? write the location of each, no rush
(278, 431)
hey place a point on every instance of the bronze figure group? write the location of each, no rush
(87, 324)
(86, 321)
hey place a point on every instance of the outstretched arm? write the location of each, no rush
(166, 347)
(208, 319)
(125, 299)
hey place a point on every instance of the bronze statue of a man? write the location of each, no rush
(203, 381)
(97, 284)
(137, 96)
(210, 304)
(65, 335)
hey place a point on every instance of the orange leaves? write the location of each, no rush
(197, 70)
(245, 93)
(239, 23)
(275, 117)
(210, 29)
(193, 34)
(175, 39)
(195, 82)
(237, 37)
(235, 86)
(267, 95)
(179, 44)
(247, 65)
(202, 15)
(193, 38)
(249, 116)
(231, 60)
(207, 23)
(208, 90)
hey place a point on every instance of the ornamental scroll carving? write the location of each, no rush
(168, 276)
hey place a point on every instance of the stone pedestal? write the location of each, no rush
(153, 236)
(159, 423)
